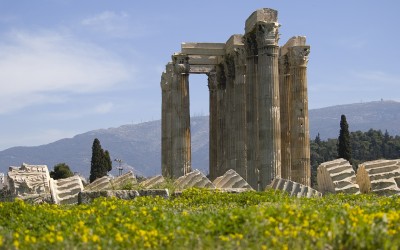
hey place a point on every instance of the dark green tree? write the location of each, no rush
(61, 171)
(100, 163)
(343, 146)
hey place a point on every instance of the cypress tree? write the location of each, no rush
(343, 148)
(100, 163)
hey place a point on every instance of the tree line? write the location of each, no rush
(357, 147)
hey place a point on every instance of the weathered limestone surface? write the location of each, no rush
(152, 182)
(193, 179)
(230, 180)
(65, 191)
(99, 184)
(381, 177)
(337, 176)
(29, 179)
(125, 179)
(247, 133)
(294, 188)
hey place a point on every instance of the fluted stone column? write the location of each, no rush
(240, 112)
(250, 43)
(221, 120)
(268, 103)
(285, 100)
(214, 128)
(181, 147)
(166, 119)
(300, 132)
(229, 132)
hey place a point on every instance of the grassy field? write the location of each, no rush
(200, 219)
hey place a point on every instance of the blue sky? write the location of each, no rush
(69, 66)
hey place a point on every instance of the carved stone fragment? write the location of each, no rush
(65, 191)
(122, 180)
(99, 184)
(294, 188)
(337, 176)
(381, 177)
(29, 179)
(231, 179)
(152, 182)
(193, 179)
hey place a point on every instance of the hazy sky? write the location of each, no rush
(70, 66)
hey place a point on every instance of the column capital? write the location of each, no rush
(212, 80)
(181, 63)
(283, 65)
(250, 44)
(298, 56)
(267, 34)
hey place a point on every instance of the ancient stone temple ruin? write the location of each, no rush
(258, 105)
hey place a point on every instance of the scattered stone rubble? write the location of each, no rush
(337, 176)
(294, 188)
(65, 191)
(152, 182)
(193, 179)
(381, 177)
(230, 180)
(29, 179)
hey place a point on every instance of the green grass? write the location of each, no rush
(200, 219)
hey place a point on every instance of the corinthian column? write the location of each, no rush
(268, 103)
(300, 132)
(285, 100)
(250, 44)
(214, 130)
(166, 119)
(181, 148)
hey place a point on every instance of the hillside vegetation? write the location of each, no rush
(366, 146)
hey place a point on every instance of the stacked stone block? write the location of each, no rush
(231, 179)
(381, 177)
(65, 191)
(193, 179)
(294, 189)
(337, 176)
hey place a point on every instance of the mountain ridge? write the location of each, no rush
(139, 145)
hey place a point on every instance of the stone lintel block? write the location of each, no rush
(265, 15)
(212, 46)
(292, 42)
(201, 51)
(203, 60)
(201, 69)
(235, 41)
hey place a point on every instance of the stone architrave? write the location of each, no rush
(231, 179)
(294, 188)
(65, 191)
(381, 177)
(193, 179)
(337, 176)
(29, 179)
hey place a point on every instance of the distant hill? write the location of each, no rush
(139, 145)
